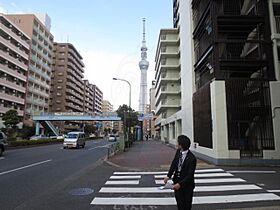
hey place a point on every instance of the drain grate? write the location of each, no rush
(81, 191)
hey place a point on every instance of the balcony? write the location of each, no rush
(38, 92)
(166, 90)
(5, 109)
(39, 72)
(277, 24)
(11, 98)
(12, 72)
(13, 60)
(12, 85)
(13, 47)
(39, 82)
(168, 104)
(15, 37)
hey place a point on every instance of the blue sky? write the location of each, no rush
(108, 35)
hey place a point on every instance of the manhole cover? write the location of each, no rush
(81, 191)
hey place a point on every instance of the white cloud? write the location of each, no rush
(101, 67)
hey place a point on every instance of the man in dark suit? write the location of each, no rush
(182, 168)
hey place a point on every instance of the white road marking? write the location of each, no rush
(125, 177)
(134, 190)
(212, 175)
(252, 172)
(208, 170)
(218, 188)
(24, 167)
(273, 191)
(200, 175)
(127, 182)
(141, 172)
(206, 181)
(2, 158)
(196, 200)
(103, 146)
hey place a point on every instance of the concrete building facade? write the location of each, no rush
(97, 100)
(14, 53)
(39, 65)
(229, 80)
(68, 87)
(168, 85)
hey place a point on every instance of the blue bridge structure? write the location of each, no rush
(46, 118)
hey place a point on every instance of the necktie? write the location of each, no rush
(180, 161)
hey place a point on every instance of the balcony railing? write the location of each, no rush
(277, 24)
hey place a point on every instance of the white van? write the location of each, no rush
(74, 139)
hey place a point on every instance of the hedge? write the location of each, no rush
(40, 142)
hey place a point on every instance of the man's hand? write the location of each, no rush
(176, 186)
(166, 179)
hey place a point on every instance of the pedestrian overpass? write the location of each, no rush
(45, 119)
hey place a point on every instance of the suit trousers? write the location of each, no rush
(184, 197)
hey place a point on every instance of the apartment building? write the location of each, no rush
(106, 108)
(14, 52)
(168, 85)
(152, 108)
(88, 97)
(67, 88)
(229, 79)
(97, 100)
(39, 65)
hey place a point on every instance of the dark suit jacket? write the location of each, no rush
(186, 178)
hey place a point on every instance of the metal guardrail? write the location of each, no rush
(112, 149)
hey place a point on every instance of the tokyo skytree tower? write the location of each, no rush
(143, 65)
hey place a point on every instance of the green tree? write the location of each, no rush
(89, 129)
(11, 119)
(129, 118)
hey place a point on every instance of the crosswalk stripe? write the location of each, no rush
(123, 182)
(200, 175)
(125, 177)
(206, 181)
(218, 188)
(208, 170)
(196, 200)
(140, 172)
(134, 190)
(252, 172)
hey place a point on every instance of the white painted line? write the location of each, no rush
(196, 189)
(2, 158)
(212, 175)
(219, 188)
(206, 181)
(236, 198)
(141, 172)
(252, 172)
(103, 146)
(24, 167)
(134, 190)
(125, 177)
(127, 182)
(200, 175)
(208, 170)
(197, 200)
(134, 201)
(273, 191)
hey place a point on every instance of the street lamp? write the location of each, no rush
(129, 103)
(129, 88)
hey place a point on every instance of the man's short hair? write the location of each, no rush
(184, 142)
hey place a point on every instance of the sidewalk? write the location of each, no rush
(148, 155)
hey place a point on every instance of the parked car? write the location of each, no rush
(74, 139)
(3, 142)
